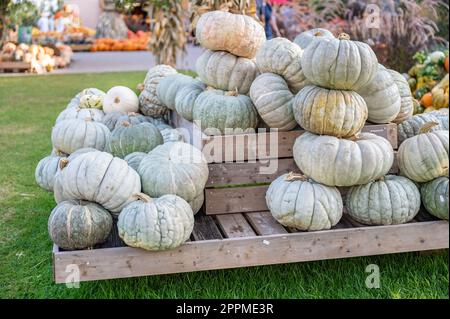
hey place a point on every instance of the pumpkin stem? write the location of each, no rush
(427, 127)
(117, 100)
(132, 114)
(141, 87)
(381, 179)
(125, 123)
(63, 163)
(144, 197)
(209, 88)
(343, 36)
(232, 93)
(354, 138)
(295, 177)
(318, 34)
(88, 119)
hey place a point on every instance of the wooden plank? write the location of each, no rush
(205, 228)
(123, 262)
(264, 224)
(15, 66)
(234, 226)
(235, 200)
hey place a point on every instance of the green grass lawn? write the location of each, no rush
(28, 109)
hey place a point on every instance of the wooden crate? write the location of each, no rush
(14, 67)
(236, 230)
(81, 47)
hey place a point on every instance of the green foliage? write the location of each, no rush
(23, 13)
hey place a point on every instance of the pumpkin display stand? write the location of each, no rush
(235, 229)
(14, 67)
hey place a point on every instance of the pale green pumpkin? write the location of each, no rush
(407, 106)
(134, 159)
(185, 99)
(80, 113)
(306, 37)
(435, 197)
(169, 86)
(46, 171)
(412, 126)
(126, 139)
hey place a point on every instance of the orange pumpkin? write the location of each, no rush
(446, 64)
(427, 100)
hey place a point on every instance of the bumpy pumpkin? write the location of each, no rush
(134, 159)
(149, 104)
(330, 112)
(156, 224)
(217, 111)
(273, 100)
(435, 197)
(132, 119)
(120, 98)
(70, 135)
(382, 96)
(46, 171)
(79, 113)
(339, 63)
(306, 37)
(296, 201)
(424, 157)
(407, 105)
(185, 99)
(174, 168)
(343, 162)
(238, 34)
(412, 126)
(168, 88)
(126, 139)
(388, 201)
(76, 224)
(282, 57)
(226, 71)
(110, 119)
(91, 101)
(90, 91)
(98, 177)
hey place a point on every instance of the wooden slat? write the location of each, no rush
(205, 228)
(125, 262)
(264, 224)
(234, 225)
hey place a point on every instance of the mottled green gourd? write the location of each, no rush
(110, 119)
(70, 135)
(175, 168)
(220, 112)
(339, 63)
(343, 162)
(225, 71)
(424, 157)
(412, 126)
(76, 224)
(435, 197)
(186, 97)
(91, 101)
(46, 171)
(306, 37)
(388, 201)
(169, 86)
(97, 177)
(330, 112)
(296, 201)
(281, 56)
(135, 159)
(156, 224)
(132, 118)
(126, 139)
(79, 113)
(273, 100)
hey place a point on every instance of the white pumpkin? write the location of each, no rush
(79, 113)
(120, 98)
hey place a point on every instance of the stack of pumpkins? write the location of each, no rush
(110, 161)
(343, 86)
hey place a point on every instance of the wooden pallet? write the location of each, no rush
(236, 230)
(81, 47)
(14, 67)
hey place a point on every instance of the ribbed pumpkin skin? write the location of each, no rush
(443, 117)
(238, 34)
(128, 139)
(134, 159)
(340, 162)
(305, 205)
(46, 171)
(111, 119)
(98, 177)
(306, 37)
(273, 100)
(164, 223)
(174, 168)
(435, 197)
(282, 57)
(424, 157)
(185, 99)
(411, 126)
(407, 106)
(76, 224)
(70, 135)
(133, 119)
(214, 112)
(330, 112)
(149, 104)
(76, 113)
(171, 135)
(80, 151)
(169, 86)
(394, 200)
(339, 64)
(382, 97)
(225, 71)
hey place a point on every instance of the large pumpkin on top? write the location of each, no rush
(306, 37)
(339, 63)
